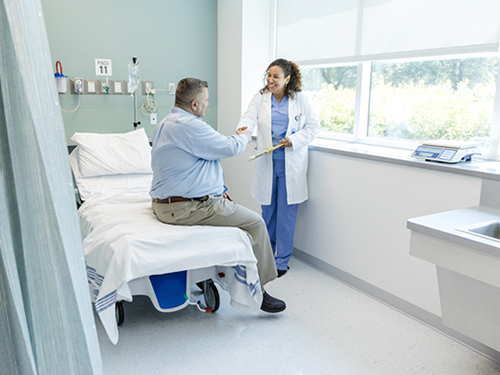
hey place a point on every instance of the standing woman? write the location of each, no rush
(283, 116)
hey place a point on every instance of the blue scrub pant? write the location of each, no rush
(280, 217)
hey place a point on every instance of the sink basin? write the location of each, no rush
(489, 230)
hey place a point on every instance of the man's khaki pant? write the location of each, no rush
(219, 211)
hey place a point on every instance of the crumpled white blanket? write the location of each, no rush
(123, 241)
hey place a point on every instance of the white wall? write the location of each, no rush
(244, 44)
(356, 216)
(256, 24)
(229, 66)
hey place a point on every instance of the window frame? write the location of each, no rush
(362, 108)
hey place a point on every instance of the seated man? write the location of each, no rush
(188, 181)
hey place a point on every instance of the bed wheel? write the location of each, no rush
(211, 295)
(119, 314)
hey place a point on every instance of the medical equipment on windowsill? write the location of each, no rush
(446, 151)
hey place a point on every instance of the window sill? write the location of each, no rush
(481, 168)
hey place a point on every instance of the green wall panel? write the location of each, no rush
(172, 40)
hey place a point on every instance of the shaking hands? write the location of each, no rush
(244, 130)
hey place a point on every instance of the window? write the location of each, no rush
(406, 102)
(332, 91)
(426, 100)
(413, 82)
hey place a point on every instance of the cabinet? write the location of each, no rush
(468, 270)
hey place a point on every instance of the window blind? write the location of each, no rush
(343, 31)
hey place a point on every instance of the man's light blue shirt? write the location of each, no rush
(185, 156)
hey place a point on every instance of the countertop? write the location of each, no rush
(443, 226)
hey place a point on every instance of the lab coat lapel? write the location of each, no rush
(266, 121)
(293, 111)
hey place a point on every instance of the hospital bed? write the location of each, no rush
(128, 251)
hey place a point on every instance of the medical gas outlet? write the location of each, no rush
(78, 85)
(112, 87)
(103, 87)
(147, 87)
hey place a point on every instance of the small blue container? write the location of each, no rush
(170, 289)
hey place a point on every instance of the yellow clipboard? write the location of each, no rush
(265, 152)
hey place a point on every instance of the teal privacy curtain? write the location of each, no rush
(46, 320)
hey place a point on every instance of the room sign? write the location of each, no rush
(103, 67)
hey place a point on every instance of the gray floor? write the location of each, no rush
(328, 328)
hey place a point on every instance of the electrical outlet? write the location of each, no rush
(171, 88)
(90, 87)
(153, 118)
(117, 87)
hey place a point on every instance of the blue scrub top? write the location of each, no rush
(279, 119)
(279, 124)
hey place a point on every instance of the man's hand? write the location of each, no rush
(244, 130)
(227, 196)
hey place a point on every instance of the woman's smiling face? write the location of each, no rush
(276, 81)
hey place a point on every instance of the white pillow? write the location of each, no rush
(114, 184)
(110, 154)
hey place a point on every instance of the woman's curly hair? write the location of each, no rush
(289, 69)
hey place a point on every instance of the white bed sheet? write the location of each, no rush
(123, 240)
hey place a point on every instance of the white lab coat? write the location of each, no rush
(303, 126)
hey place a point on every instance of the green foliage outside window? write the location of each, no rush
(421, 112)
(442, 99)
(335, 108)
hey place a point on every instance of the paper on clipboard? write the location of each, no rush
(265, 152)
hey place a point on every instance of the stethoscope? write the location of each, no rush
(297, 118)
